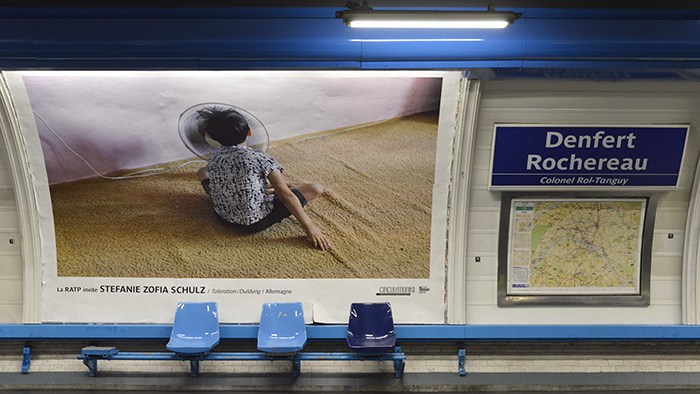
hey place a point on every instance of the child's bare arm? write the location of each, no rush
(290, 200)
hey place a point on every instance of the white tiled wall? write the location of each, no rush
(566, 102)
(11, 265)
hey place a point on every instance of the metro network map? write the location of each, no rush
(575, 246)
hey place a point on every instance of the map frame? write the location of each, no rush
(639, 295)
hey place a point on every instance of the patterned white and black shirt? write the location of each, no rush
(238, 183)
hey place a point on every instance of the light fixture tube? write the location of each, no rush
(428, 19)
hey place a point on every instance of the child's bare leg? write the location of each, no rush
(202, 173)
(315, 189)
(310, 190)
(291, 185)
(203, 176)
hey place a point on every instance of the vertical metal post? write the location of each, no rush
(26, 359)
(296, 366)
(194, 367)
(91, 363)
(399, 365)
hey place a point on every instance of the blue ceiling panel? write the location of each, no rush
(276, 64)
(235, 38)
(107, 38)
(16, 44)
(693, 58)
(581, 63)
(608, 39)
(590, 73)
(284, 40)
(137, 64)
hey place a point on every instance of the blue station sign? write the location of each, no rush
(573, 157)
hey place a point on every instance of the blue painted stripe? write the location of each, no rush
(459, 333)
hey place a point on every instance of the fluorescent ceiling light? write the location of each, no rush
(366, 17)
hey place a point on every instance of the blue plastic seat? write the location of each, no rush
(282, 328)
(371, 328)
(195, 329)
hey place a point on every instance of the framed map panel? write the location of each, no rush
(575, 249)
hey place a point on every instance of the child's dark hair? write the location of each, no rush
(224, 125)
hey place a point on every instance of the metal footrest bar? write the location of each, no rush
(397, 356)
(92, 354)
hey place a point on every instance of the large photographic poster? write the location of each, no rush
(128, 231)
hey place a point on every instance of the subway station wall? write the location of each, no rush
(234, 39)
(567, 102)
(11, 264)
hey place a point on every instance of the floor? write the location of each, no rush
(333, 383)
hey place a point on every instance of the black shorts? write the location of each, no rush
(278, 213)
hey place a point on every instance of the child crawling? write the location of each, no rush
(236, 180)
